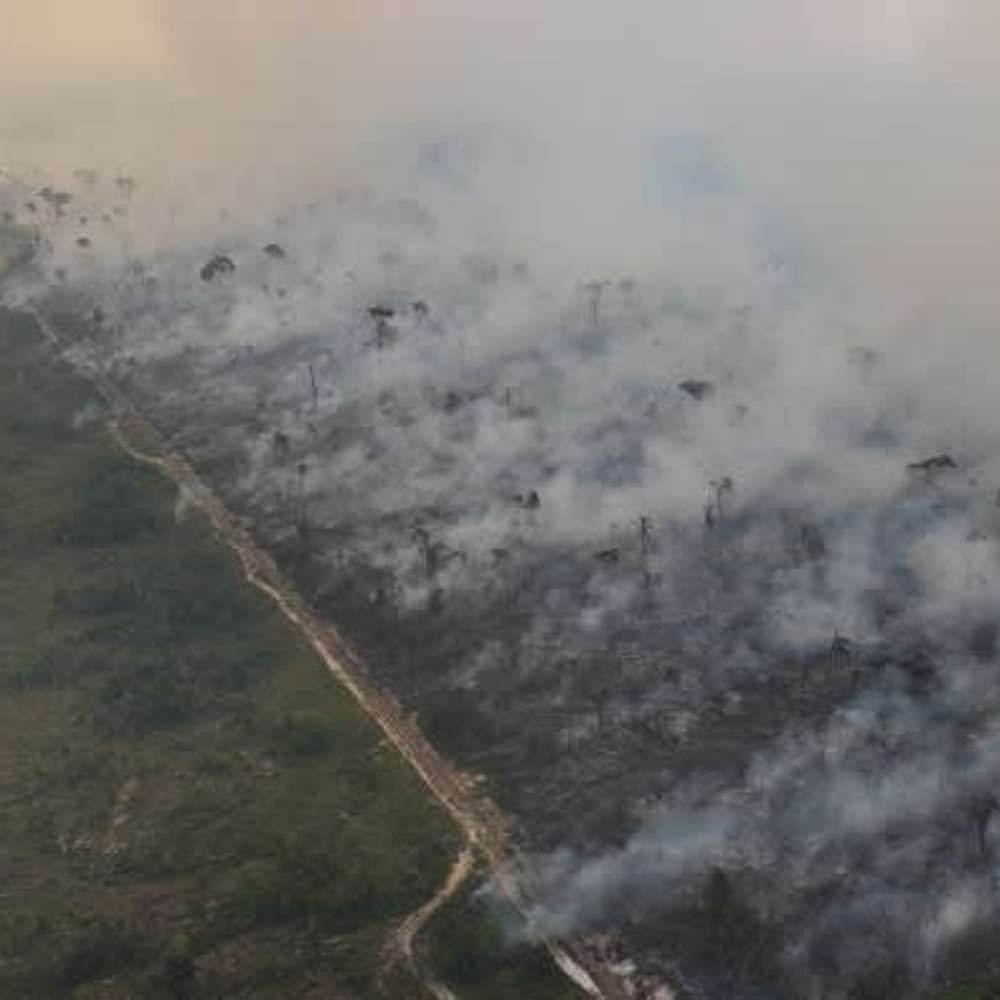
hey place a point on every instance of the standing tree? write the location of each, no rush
(312, 385)
(645, 534)
(720, 488)
(980, 808)
(282, 445)
(384, 331)
(56, 200)
(429, 551)
(126, 185)
(709, 511)
(840, 651)
(595, 290)
(593, 680)
(646, 549)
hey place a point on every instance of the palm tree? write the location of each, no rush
(720, 488)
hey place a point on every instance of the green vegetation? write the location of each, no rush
(191, 807)
(971, 968)
(472, 946)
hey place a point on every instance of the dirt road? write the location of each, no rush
(400, 944)
(486, 830)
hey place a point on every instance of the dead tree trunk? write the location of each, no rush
(315, 391)
(646, 549)
(595, 289)
(981, 809)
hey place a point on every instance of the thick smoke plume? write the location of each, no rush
(648, 332)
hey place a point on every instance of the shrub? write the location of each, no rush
(94, 951)
(175, 979)
(100, 951)
(57, 666)
(149, 696)
(293, 736)
(469, 948)
(115, 596)
(111, 513)
(301, 882)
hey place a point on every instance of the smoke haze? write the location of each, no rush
(572, 211)
(869, 126)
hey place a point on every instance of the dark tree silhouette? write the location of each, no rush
(218, 266)
(936, 463)
(696, 388)
(312, 384)
(721, 487)
(56, 200)
(645, 534)
(840, 651)
(281, 443)
(980, 808)
(709, 515)
(595, 291)
(384, 330)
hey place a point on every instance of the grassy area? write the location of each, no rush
(189, 805)
(472, 946)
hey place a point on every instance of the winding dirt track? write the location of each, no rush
(487, 831)
(400, 944)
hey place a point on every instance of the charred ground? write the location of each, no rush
(737, 686)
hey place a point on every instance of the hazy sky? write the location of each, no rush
(868, 122)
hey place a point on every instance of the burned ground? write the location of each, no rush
(688, 636)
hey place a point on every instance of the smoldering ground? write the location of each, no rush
(622, 334)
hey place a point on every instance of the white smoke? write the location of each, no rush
(572, 209)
